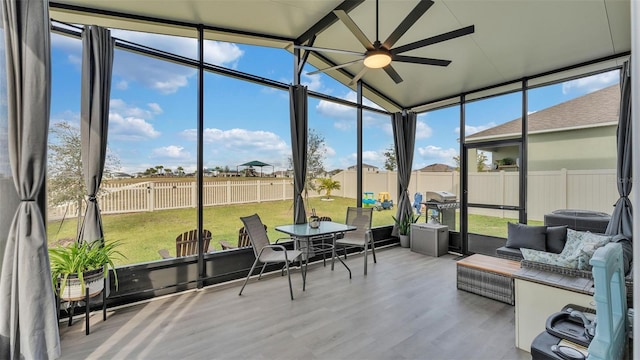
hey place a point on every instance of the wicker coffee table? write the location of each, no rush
(488, 276)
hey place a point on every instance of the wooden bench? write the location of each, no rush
(488, 276)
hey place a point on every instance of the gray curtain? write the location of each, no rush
(622, 218)
(299, 131)
(28, 323)
(404, 137)
(97, 62)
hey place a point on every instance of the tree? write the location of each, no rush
(390, 161)
(481, 160)
(160, 169)
(328, 185)
(316, 152)
(180, 170)
(64, 171)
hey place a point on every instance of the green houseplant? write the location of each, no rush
(79, 265)
(404, 227)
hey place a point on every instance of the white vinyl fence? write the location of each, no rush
(548, 191)
(153, 196)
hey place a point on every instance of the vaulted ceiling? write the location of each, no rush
(513, 40)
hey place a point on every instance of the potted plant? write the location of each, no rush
(404, 228)
(81, 265)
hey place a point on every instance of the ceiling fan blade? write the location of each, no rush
(408, 22)
(420, 60)
(434, 40)
(393, 74)
(351, 25)
(357, 77)
(335, 67)
(319, 49)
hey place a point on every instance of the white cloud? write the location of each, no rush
(129, 122)
(122, 85)
(171, 151)
(163, 76)
(313, 82)
(155, 108)
(237, 146)
(345, 116)
(215, 52)
(434, 154)
(423, 131)
(75, 60)
(130, 128)
(121, 107)
(591, 83)
(374, 158)
(67, 116)
(472, 129)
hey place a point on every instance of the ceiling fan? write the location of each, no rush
(381, 55)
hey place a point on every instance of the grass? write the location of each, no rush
(143, 234)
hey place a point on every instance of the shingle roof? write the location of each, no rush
(437, 168)
(598, 107)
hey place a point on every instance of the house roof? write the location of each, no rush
(513, 40)
(597, 108)
(437, 168)
(364, 166)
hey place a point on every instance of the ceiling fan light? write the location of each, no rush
(377, 59)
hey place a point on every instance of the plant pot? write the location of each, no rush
(93, 280)
(404, 241)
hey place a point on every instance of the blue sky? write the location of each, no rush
(153, 110)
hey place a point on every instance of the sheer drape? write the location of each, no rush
(28, 322)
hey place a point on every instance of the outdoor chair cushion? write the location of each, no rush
(564, 260)
(576, 254)
(526, 236)
(509, 253)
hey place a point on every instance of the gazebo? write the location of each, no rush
(255, 163)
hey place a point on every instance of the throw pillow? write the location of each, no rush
(590, 243)
(556, 238)
(524, 236)
(550, 258)
(573, 244)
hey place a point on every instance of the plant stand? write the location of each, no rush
(73, 303)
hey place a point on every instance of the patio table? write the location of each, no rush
(304, 233)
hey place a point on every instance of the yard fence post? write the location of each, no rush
(151, 191)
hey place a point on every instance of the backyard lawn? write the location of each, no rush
(143, 234)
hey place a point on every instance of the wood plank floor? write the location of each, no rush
(407, 307)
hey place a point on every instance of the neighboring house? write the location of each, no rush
(118, 175)
(579, 134)
(365, 168)
(437, 168)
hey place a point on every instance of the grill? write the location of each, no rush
(442, 205)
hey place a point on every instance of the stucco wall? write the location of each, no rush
(583, 149)
(580, 149)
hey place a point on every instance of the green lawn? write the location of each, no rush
(143, 234)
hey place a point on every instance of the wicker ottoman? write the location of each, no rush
(488, 276)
